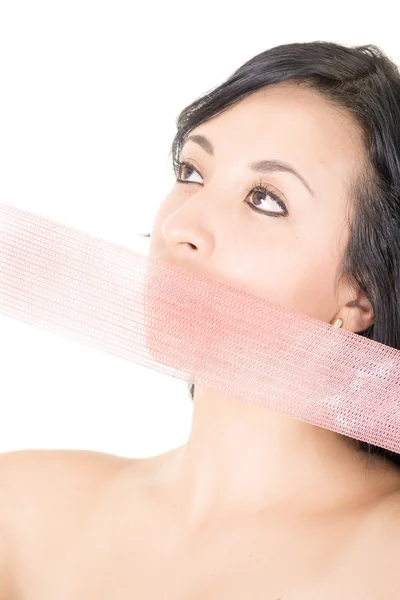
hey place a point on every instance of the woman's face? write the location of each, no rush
(291, 250)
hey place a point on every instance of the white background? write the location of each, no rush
(89, 94)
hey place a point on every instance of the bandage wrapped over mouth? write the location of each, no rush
(195, 328)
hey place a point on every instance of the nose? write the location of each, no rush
(187, 237)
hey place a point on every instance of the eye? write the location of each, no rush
(180, 167)
(256, 191)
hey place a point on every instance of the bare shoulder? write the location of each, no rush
(71, 460)
(45, 497)
(49, 480)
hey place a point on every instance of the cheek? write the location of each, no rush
(311, 289)
(308, 279)
(306, 269)
(296, 273)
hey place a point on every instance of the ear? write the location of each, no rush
(357, 314)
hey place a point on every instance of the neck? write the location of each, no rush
(243, 459)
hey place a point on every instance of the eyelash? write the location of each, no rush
(259, 186)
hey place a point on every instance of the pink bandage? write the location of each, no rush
(197, 329)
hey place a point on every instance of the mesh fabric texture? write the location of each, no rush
(195, 328)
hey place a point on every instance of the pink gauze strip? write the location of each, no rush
(192, 327)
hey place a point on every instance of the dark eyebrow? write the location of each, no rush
(261, 166)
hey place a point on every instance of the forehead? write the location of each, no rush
(291, 123)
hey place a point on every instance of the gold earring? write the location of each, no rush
(338, 323)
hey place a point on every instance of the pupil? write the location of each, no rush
(258, 201)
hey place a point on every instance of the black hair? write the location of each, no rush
(364, 82)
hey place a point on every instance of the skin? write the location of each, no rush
(256, 504)
(242, 460)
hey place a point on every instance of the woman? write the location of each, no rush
(256, 504)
